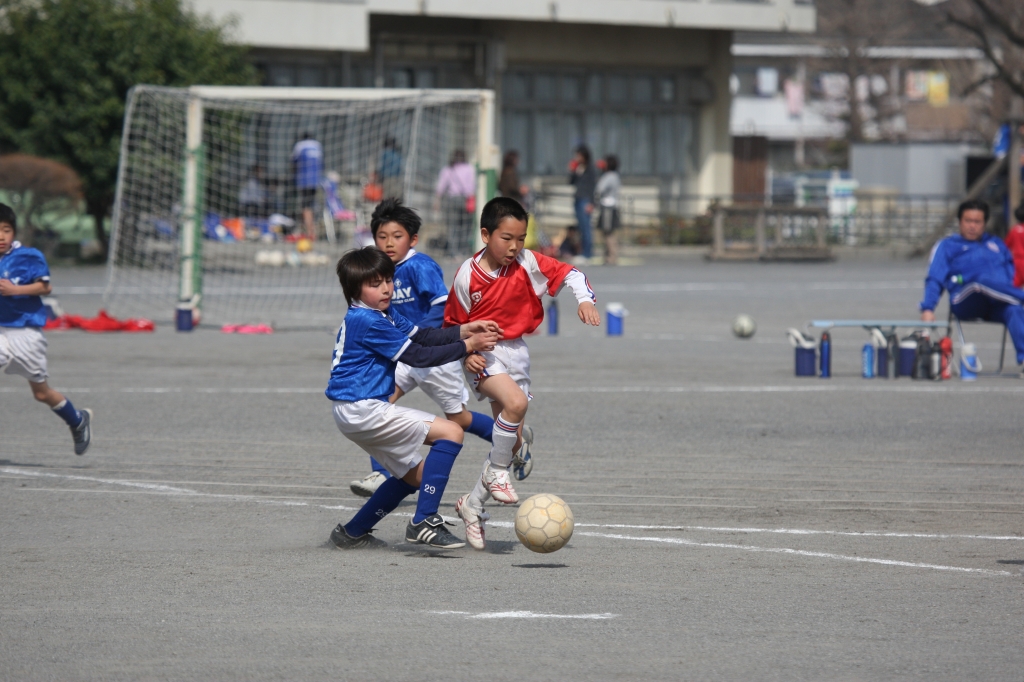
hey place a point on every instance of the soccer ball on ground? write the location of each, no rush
(743, 326)
(544, 523)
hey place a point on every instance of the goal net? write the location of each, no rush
(223, 207)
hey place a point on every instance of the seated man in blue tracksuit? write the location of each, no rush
(976, 269)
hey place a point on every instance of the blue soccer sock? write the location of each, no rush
(440, 461)
(383, 501)
(481, 426)
(66, 411)
(379, 468)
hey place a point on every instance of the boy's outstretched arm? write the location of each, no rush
(586, 297)
(481, 327)
(37, 288)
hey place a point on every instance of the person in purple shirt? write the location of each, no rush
(24, 280)
(456, 189)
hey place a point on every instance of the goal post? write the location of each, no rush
(211, 213)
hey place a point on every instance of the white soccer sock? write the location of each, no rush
(503, 439)
(480, 493)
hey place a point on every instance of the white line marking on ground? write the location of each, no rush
(798, 552)
(954, 388)
(150, 488)
(790, 531)
(526, 614)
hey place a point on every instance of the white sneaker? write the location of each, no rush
(474, 521)
(368, 486)
(499, 485)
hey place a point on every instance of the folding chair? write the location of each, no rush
(955, 321)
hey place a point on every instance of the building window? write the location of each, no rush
(637, 117)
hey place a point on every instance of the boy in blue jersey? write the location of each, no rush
(371, 341)
(24, 279)
(420, 296)
(977, 270)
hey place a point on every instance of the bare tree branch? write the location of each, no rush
(1000, 22)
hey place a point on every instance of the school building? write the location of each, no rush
(648, 80)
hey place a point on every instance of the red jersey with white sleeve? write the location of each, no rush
(1015, 243)
(512, 295)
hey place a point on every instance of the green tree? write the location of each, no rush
(67, 66)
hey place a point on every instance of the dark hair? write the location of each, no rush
(458, 156)
(511, 159)
(307, 135)
(392, 211)
(390, 142)
(499, 208)
(611, 162)
(972, 205)
(1018, 213)
(584, 151)
(360, 266)
(7, 215)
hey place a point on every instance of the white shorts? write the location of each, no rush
(443, 384)
(390, 434)
(23, 352)
(508, 357)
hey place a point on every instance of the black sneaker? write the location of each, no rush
(342, 540)
(432, 533)
(82, 433)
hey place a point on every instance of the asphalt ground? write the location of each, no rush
(733, 521)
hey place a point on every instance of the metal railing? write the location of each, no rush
(651, 215)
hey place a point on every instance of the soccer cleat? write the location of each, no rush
(522, 460)
(498, 484)
(82, 434)
(368, 486)
(432, 533)
(474, 521)
(342, 540)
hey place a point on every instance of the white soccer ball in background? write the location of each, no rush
(743, 326)
(544, 523)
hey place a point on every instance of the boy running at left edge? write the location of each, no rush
(24, 280)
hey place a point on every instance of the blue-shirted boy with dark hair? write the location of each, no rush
(420, 295)
(371, 341)
(24, 280)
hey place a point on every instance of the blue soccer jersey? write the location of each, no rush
(419, 288)
(23, 265)
(366, 352)
(308, 156)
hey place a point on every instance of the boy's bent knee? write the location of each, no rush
(442, 429)
(515, 407)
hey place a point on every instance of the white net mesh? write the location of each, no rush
(256, 258)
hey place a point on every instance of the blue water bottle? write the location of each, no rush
(867, 360)
(825, 351)
(553, 318)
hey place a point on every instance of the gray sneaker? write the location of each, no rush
(342, 540)
(367, 486)
(432, 533)
(522, 460)
(82, 434)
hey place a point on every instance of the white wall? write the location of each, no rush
(294, 24)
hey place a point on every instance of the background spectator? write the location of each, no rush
(1015, 243)
(584, 178)
(390, 170)
(509, 184)
(608, 218)
(308, 162)
(456, 190)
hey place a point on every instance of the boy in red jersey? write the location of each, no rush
(505, 282)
